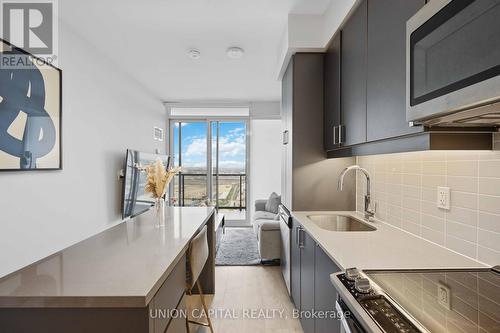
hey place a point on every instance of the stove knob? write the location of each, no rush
(351, 274)
(362, 285)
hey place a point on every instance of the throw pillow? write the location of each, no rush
(273, 202)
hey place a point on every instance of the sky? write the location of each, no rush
(232, 145)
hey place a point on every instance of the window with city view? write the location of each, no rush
(219, 181)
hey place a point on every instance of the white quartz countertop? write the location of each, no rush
(385, 248)
(119, 267)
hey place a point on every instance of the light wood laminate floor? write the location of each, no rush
(250, 299)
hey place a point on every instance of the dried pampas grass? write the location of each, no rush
(159, 178)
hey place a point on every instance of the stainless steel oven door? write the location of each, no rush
(452, 58)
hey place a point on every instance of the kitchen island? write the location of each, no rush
(111, 282)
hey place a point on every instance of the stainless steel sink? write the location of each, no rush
(332, 222)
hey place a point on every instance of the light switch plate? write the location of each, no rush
(443, 198)
(444, 295)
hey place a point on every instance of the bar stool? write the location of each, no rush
(196, 260)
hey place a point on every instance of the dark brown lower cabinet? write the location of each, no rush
(308, 247)
(312, 292)
(325, 294)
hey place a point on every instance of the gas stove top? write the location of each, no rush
(411, 301)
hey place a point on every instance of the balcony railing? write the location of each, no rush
(190, 189)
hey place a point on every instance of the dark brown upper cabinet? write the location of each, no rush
(332, 118)
(353, 77)
(366, 112)
(386, 69)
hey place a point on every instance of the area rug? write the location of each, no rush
(238, 248)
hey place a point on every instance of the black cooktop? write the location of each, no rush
(460, 301)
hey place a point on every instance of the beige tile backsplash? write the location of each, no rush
(404, 186)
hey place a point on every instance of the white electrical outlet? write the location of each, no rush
(444, 295)
(443, 197)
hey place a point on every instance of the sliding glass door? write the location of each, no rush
(190, 150)
(229, 156)
(213, 157)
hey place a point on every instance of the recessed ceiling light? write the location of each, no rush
(194, 54)
(235, 52)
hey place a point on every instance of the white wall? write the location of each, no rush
(265, 159)
(312, 32)
(104, 112)
(265, 110)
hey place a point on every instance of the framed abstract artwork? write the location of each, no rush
(30, 111)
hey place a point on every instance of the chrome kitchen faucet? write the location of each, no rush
(369, 212)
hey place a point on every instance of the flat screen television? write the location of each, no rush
(134, 199)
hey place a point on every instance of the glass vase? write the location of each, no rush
(160, 212)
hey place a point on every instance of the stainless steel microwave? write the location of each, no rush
(453, 64)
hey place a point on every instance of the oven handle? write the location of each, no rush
(348, 324)
(285, 216)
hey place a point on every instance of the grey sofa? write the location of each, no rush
(267, 229)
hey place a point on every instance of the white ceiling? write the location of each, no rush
(149, 39)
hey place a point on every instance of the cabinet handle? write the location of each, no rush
(335, 136)
(301, 241)
(341, 134)
(297, 231)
